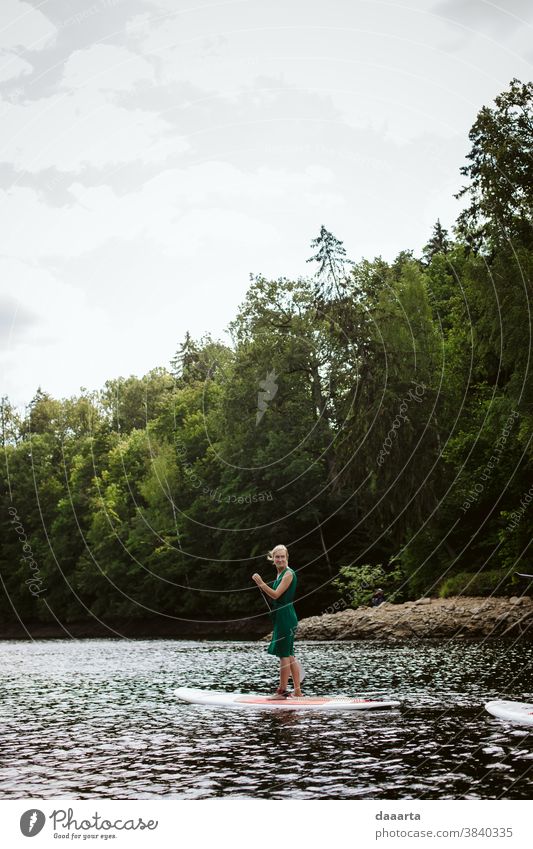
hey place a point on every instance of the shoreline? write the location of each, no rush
(253, 629)
(457, 616)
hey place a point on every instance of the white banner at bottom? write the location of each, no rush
(264, 824)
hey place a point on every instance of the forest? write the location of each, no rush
(376, 417)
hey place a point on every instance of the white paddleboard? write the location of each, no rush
(520, 712)
(244, 700)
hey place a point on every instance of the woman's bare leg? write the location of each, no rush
(295, 675)
(284, 672)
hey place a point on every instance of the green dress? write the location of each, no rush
(285, 619)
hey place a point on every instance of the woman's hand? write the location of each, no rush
(265, 588)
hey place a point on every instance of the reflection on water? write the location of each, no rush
(98, 718)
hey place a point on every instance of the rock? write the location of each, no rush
(473, 617)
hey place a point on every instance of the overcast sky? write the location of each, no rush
(155, 152)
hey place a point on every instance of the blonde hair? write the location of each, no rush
(270, 555)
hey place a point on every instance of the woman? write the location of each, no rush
(285, 620)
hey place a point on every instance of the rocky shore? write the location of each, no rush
(435, 617)
(426, 617)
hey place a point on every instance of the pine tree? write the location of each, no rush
(438, 243)
(500, 171)
(185, 361)
(332, 259)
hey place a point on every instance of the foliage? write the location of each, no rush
(379, 413)
(439, 243)
(331, 258)
(357, 584)
(500, 170)
(492, 582)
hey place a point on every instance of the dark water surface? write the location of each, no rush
(98, 718)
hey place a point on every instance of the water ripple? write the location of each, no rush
(98, 718)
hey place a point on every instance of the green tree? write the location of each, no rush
(129, 403)
(332, 261)
(500, 170)
(439, 243)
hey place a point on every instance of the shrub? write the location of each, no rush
(356, 584)
(481, 583)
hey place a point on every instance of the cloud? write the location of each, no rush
(123, 275)
(23, 26)
(53, 326)
(37, 296)
(179, 209)
(156, 158)
(12, 66)
(77, 129)
(370, 68)
(499, 18)
(16, 321)
(81, 124)
(106, 68)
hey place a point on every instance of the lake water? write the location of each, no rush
(98, 718)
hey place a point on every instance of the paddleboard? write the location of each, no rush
(244, 700)
(520, 712)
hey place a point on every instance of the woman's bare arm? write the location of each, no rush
(284, 585)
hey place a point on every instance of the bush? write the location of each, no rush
(356, 584)
(482, 583)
